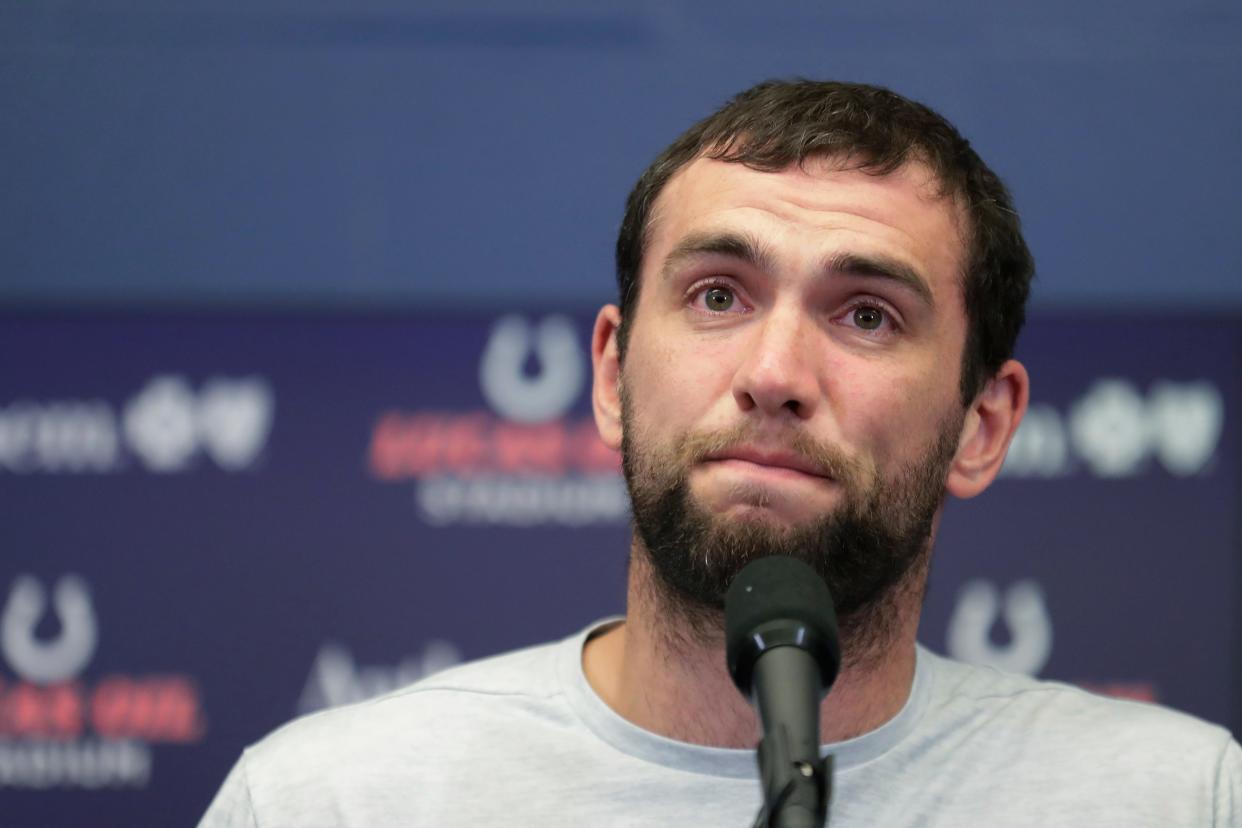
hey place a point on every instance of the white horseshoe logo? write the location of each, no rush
(545, 396)
(1026, 615)
(47, 662)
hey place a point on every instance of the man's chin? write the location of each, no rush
(739, 533)
(771, 506)
(760, 531)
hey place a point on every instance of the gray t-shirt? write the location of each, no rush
(522, 740)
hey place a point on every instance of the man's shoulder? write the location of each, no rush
(530, 671)
(431, 711)
(1019, 707)
(354, 757)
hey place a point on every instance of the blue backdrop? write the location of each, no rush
(215, 522)
(479, 151)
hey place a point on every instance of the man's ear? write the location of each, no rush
(988, 429)
(606, 387)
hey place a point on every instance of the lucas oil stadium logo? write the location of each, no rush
(59, 729)
(524, 459)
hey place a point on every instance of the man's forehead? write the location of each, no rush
(909, 200)
(706, 177)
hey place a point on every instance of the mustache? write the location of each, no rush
(831, 460)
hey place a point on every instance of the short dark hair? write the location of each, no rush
(779, 123)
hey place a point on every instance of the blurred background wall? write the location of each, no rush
(261, 449)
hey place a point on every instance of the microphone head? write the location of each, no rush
(776, 602)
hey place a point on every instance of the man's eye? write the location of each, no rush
(718, 299)
(868, 318)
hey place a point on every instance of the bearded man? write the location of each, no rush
(821, 286)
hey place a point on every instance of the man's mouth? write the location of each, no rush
(774, 462)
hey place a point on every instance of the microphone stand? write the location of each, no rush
(783, 654)
(797, 782)
(795, 793)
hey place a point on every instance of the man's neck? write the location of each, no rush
(678, 686)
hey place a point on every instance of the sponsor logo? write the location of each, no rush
(335, 680)
(1113, 431)
(525, 462)
(165, 427)
(60, 730)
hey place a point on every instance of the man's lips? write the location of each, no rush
(771, 460)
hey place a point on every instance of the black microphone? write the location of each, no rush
(783, 654)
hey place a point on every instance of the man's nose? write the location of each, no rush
(779, 374)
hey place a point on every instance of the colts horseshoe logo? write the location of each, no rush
(1025, 615)
(548, 394)
(58, 659)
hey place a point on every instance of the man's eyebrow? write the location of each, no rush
(882, 267)
(741, 246)
(754, 252)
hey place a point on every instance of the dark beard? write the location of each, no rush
(874, 548)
